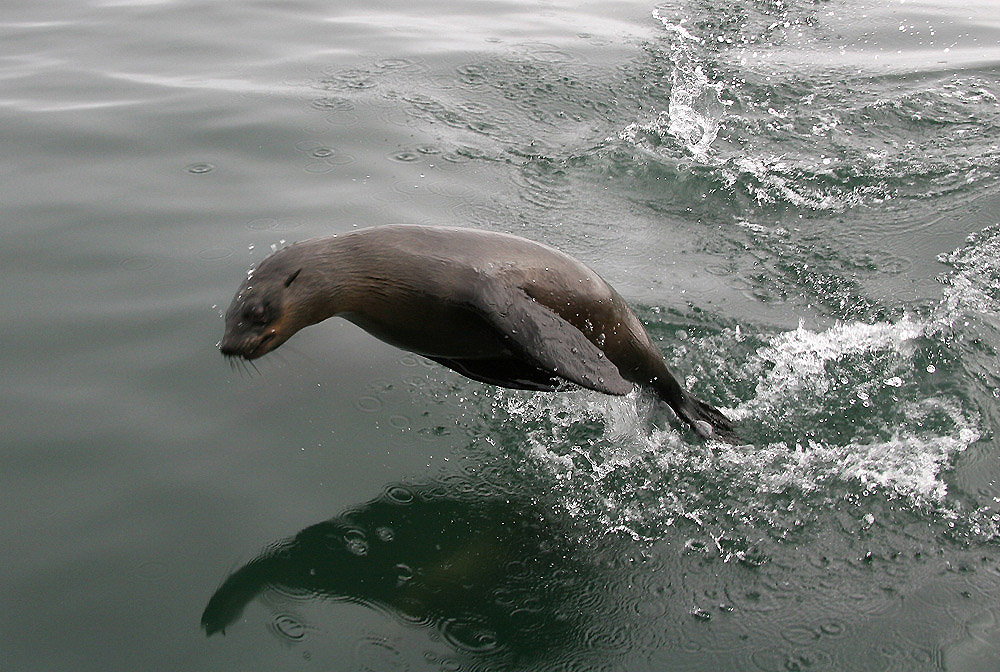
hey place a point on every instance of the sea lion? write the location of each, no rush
(495, 307)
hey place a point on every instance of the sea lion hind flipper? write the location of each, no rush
(548, 341)
(503, 371)
(706, 420)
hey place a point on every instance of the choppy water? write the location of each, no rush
(800, 199)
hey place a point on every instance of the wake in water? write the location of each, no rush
(739, 113)
(858, 411)
(974, 288)
(695, 108)
(727, 108)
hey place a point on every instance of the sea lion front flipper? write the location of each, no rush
(545, 339)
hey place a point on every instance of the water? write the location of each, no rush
(800, 200)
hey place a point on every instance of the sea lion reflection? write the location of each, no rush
(491, 575)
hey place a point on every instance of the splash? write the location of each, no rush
(754, 130)
(695, 108)
(856, 394)
(853, 412)
(908, 464)
(974, 286)
(691, 119)
(801, 360)
(874, 367)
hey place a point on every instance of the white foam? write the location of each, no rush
(624, 422)
(620, 463)
(695, 109)
(974, 286)
(677, 28)
(909, 465)
(800, 357)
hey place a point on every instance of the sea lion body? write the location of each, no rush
(496, 307)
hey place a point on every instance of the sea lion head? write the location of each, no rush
(267, 309)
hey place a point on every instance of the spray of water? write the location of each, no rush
(851, 411)
(695, 108)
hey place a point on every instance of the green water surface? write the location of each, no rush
(800, 200)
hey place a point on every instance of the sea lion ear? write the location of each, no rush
(291, 278)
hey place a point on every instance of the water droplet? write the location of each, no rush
(800, 635)
(152, 571)
(378, 653)
(200, 168)
(399, 494)
(334, 104)
(369, 404)
(356, 542)
(262, 225)
(833, 628)
(468, 634)
(403, 573)
(399, 421)
(139, 263)
(288, 627)
(405, 156)
(215, 253)
(397, 63)
(701, 614)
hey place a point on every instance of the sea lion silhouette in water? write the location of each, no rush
(495, 307)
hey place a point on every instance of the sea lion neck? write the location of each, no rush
(333, 280)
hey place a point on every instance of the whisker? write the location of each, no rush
(236, 364)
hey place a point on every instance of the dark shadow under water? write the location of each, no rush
(497, 578)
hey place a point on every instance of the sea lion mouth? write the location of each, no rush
(252, 341)
(250, 347)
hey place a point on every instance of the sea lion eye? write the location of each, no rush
(291, 278)
(256, 314)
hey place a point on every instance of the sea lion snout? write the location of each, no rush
(253, 329)
(246, 323)
(248, 346)
(251, 340)
(258, 319)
